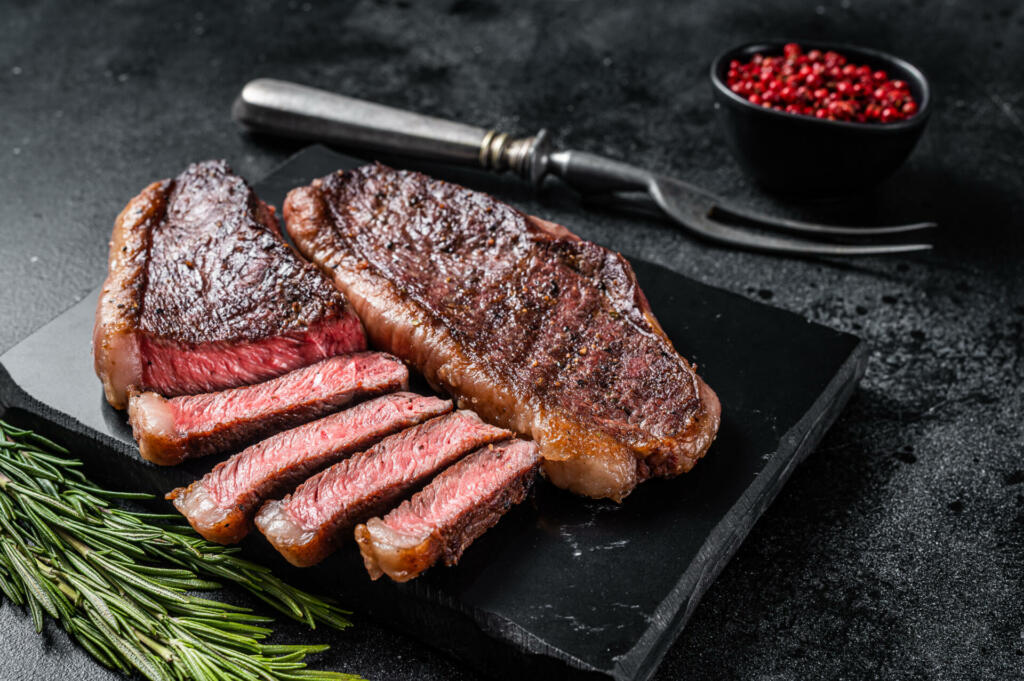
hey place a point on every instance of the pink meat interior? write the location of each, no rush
(306, 448)
(461, 487)
(326, 380)
(396, 463)
(170, 368)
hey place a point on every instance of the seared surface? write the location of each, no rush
(525, 323)
(307, 525)
(219, 271)
(202, 293)
(171, 430)
(447, 515)
(222, 504)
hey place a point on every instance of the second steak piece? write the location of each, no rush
(444, 518)
(517, 318)
(169, 431)
(222, 504)
(307, 525)
(202, 293)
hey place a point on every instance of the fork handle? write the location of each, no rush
(294, 110)
(592, 174)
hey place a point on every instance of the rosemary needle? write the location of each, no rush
(122, 582)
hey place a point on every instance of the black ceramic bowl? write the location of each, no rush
(797, 154)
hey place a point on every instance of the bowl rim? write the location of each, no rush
(848, 50)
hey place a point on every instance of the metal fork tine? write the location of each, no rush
(798, 226)
(641, 200)
(697, 219)
(733, 236)
(715, 208)
(692, 208)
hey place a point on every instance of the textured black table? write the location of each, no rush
(895, 551)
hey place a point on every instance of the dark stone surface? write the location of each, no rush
(554, 587)
(896, 550)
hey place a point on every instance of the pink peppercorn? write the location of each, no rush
(821, 85)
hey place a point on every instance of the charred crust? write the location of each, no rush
(246, 280)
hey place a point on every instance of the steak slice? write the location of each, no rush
(519, 319)
(307, 525)
(171, 430)
(221, 505)
(444, 518)
(202, 293)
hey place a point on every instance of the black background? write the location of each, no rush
(897, 550)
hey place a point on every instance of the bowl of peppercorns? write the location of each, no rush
(808, 118)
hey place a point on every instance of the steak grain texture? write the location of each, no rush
(307, 525)
(171, 430)
(447, 515)
(517, 318)
(222, 504)
(202, 293)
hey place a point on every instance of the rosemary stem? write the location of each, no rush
(121, 582)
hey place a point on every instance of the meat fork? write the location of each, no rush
(299, 111)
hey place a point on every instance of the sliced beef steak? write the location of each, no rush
(307, 525)
(202, 293)
(442, 519)
(222, 504)
(171, 430)
(519, 319)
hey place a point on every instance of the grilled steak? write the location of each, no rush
(222, 504)
(202, 293)
(171, 430)
(307, 525)
(446, 516)
(518, 318)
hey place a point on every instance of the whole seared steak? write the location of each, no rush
(202, 293)
(519, 319)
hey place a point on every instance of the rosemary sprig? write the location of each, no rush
(122, 582)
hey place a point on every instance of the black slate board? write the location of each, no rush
(562, 584)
